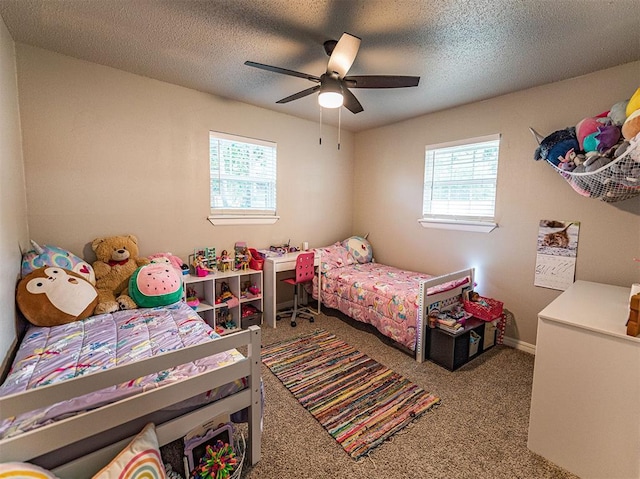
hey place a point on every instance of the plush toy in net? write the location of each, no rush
(218, 462)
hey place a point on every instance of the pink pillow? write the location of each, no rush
(335, 256)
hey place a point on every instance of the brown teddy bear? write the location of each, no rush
(117, 261)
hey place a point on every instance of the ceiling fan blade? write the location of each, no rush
(343, 55)
(284, 71)
(351, 103)
(300, 94)
(381, 81)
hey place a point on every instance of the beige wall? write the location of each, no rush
(13, 208)
(108, 153)
(388, 195)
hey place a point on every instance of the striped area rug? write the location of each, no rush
(360, 402)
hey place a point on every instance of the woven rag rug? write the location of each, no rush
(360, 402)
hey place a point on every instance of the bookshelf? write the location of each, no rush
(221, 315)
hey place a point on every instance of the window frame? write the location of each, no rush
(466, 222)
(242, 216)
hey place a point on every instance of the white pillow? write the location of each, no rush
(139, 460)
(23, 470)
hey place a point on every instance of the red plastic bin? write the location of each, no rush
(486, 309)
(256, 261)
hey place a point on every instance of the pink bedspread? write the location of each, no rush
(51, 355)
(381, 295)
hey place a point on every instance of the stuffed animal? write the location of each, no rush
(117, 259)
(46, 255)
(51, 295)
(156, 284)
(556, 146)
(618, 112)
(168, 258)
(631, 126)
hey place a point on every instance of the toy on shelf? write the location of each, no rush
(204, 261)
(256, 261)
(249, 310)
(249, 290)
(225, 262)
(225, 320)
(242, 256)
(226, 296)
(192, 298)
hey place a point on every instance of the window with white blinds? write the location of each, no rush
(242, 174)
(460, 180)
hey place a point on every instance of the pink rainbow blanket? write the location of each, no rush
(381, 295)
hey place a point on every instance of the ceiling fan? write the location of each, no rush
(333, 85)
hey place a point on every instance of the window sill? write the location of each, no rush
(475, 226)
(231, 220)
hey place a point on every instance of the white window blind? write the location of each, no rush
(242, 175)
(460, 180)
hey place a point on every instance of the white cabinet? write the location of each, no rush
(586, 384)
(227, 316)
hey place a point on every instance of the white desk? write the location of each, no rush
(586, 384)
(273, 265)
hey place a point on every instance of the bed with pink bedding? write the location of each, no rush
(53, 356)
(391, 299)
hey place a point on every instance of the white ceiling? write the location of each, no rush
(463, 50)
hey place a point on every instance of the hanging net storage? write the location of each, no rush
(616, 181)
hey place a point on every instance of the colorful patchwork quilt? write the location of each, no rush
(55, 354)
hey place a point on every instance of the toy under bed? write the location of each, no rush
(52, 355)
(381, 295)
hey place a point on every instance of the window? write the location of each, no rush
(460, 184)
(243, 180)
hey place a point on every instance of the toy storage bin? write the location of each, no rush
(474, 343)
(256, 261)
(489, 334)
(251, 320)
(486, 309)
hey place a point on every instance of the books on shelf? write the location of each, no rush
(450, 322)
(454, 329)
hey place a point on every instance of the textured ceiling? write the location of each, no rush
(464, 51)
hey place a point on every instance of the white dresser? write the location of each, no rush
(585, 403)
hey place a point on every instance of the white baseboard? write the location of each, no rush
(521, 345)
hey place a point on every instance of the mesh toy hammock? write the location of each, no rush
(618, 180)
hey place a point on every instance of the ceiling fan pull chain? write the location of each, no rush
(321, 125)
(339, 121)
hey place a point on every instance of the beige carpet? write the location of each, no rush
(478, 431)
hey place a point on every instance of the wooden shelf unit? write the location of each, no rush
(209, 287)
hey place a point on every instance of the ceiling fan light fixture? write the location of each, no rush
(330, 95)
(330, 99)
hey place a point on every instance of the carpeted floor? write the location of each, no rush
(478, 431)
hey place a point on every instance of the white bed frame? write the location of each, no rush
(426, 300)
(53, 437)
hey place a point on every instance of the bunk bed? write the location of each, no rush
(396, 302)
(75, 415)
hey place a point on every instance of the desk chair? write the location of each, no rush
(304, 274)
